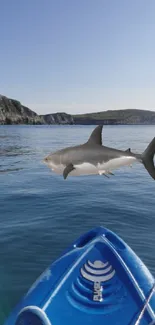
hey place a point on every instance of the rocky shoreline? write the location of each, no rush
(13, 112)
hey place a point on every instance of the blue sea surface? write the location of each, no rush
(41, 213)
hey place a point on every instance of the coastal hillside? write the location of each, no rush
(13, 112)
(124, 116)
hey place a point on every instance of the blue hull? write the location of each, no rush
(98, 280)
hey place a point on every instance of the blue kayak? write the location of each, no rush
(98, 280)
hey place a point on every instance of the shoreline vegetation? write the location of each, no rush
(13, 112)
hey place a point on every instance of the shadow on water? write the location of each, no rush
(8, 170)
(3, 137)
(15, 151)
(8, 164)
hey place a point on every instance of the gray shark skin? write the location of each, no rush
(92, 158)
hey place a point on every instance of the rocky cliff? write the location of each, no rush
(58, 118)
(13, 112)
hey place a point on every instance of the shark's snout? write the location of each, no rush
(48, 160)
(51, 161)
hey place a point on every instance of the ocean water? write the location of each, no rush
(41, 214)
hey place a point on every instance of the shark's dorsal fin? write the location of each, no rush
(128, 150)
(96, 136)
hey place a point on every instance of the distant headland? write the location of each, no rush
(13, 112)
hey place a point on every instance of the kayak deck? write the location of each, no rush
(98, 279)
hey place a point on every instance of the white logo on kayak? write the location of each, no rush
(97, 273)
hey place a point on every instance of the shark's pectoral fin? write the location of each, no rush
(67, 170)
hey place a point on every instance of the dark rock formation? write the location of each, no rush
(12, 112)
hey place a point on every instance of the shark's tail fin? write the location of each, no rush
(147, 158)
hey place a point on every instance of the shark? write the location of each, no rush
(93, 158)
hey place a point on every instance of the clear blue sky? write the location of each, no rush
(78, 55)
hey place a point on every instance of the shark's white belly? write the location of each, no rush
(116, 163)
(101, 168)
(80, 169)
